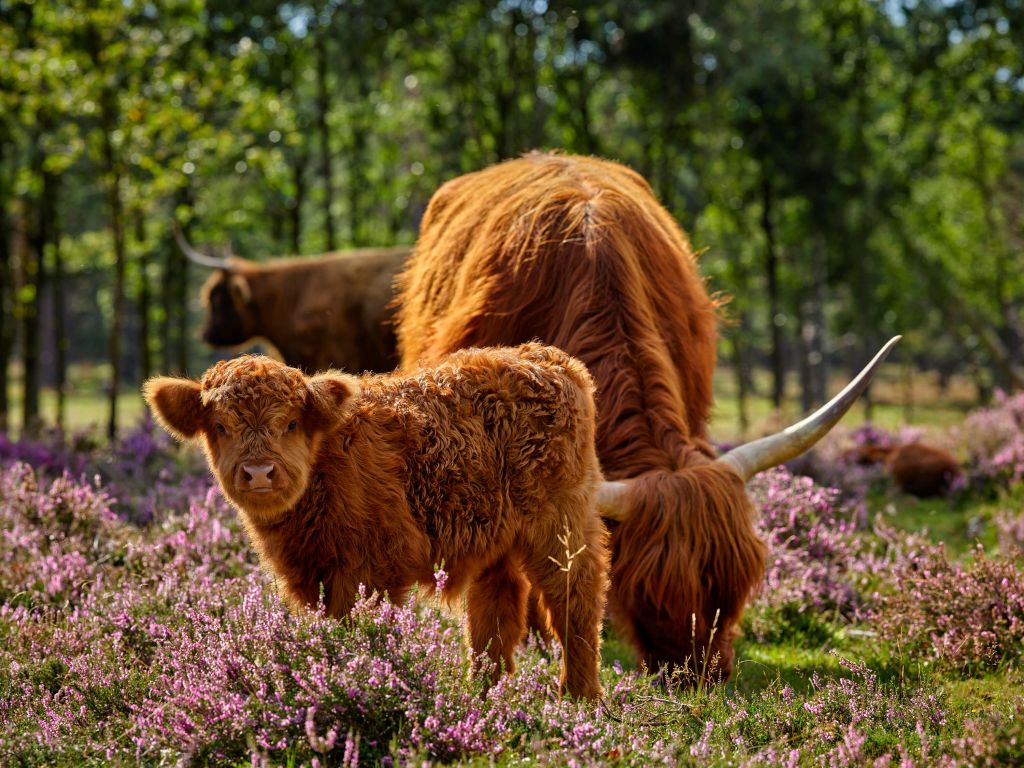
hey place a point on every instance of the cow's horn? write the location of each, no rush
(195, 256)
(610, 498)
(770, 451)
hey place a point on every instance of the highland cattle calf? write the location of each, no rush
(481, 463)
(918, 469)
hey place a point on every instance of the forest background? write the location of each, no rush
(848, 169)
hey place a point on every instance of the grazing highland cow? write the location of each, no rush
(576, 252)
(329, 311)
(480, 463)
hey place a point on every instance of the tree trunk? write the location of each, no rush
(323, 107)
(34, 271)
(775, 317)
(113, 173)
(299, 178)
(357, 159)
(6, 296)
(145, 300)
(739, 364)
(60, 334)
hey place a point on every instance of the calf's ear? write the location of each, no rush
(177, 405)
(331, 396)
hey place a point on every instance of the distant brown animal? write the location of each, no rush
(319, 312)
(480, 463)
(918, 469)
(578, 253)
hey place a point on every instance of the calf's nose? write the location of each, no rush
(253, 476)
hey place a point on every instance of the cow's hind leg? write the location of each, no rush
(576, 603)
(496, 608)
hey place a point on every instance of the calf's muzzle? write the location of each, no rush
(255, 477)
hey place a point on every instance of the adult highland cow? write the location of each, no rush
(319, 312)
(576, 252)
(484, 462)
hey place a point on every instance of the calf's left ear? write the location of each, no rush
(331, 395)
(177, 405)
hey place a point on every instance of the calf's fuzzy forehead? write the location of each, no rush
(253, 380)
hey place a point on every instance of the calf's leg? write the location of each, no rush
(496, 609)
(576, 609)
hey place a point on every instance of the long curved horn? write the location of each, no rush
(609, 499)
(770, 451)
(195, 256)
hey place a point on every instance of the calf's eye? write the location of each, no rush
(292, 425)
(221, 430)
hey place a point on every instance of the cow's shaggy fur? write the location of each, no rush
(480, 463)
(578, 253)
(918, 469)
(330, 311)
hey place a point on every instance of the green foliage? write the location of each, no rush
(876, 145)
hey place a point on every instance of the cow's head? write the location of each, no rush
(227, 295)
(260, 423)
(230, 314)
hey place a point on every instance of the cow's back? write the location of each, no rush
(574, 252)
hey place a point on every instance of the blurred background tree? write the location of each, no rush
(848, 169)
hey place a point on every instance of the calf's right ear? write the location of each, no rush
(177, 405)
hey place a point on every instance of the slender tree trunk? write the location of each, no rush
(6, 295)
(169, 270)
(180, 301)
(299, 179)
(41, 234)
(323, 105)
(739, 364)
(116, 205)
(357, 159)
(60, 334)
(775, 318)
(145, 298)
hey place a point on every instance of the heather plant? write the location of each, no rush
(1010, 533)
(813, 565)
(994, 438)
(143, 471)
(167, 644)
(967, 617)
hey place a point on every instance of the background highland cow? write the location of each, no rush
(323, 312)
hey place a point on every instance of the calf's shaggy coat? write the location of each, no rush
(480, 462)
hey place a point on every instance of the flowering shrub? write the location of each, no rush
(142, 471)
(813, 554)
(1010, 533)
(995, 441)
(166, 644)
(966, 617)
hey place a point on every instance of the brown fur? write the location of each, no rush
(918, 469)
(576, 252)
(478, 463)
(320, 312)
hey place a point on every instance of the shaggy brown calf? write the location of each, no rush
(480, 463)
(918, 469)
